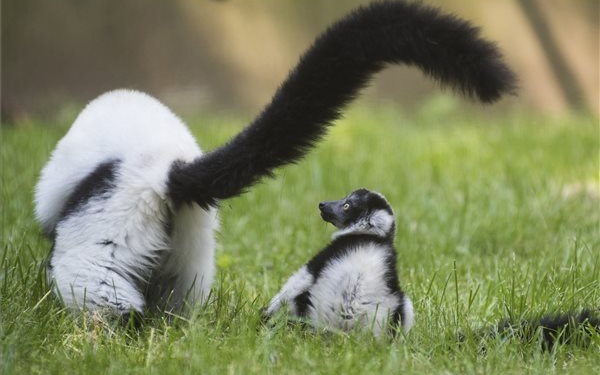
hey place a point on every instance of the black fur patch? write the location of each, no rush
(158, 289)
(302, 303)
(95, 185)
(397, 318)
(107, 243)
(132, 320)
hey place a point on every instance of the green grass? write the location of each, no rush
(485, 231)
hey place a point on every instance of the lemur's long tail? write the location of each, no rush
(558, 328)
(329, 75)
(570, 327)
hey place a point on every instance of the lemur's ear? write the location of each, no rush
(381, 219)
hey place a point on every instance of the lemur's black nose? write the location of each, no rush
(321, 205)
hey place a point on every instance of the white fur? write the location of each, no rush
(352, 286)
(378, 223)
(299, 283)
(409, 314)
(146, 137)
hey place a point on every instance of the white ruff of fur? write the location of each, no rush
(145, 137)
(378, 223)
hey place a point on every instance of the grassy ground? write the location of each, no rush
(493, 221)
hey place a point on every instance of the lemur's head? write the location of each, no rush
(361, 212)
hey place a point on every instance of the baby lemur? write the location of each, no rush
(353, 282)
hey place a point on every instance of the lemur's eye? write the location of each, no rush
(346, 206)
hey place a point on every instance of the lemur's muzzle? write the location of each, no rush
(330, 211)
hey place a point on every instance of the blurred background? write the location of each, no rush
(199, 56)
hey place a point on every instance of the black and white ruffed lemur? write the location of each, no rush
(129, 199)
(352, 283)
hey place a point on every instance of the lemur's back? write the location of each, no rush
(128, 126)
(355, 288)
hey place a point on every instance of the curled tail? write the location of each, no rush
(329, 75)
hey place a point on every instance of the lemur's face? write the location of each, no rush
(358, 205)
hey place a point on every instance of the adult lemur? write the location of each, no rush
(353, 281)
(129, 199)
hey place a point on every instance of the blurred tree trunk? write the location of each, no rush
(565, 78)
